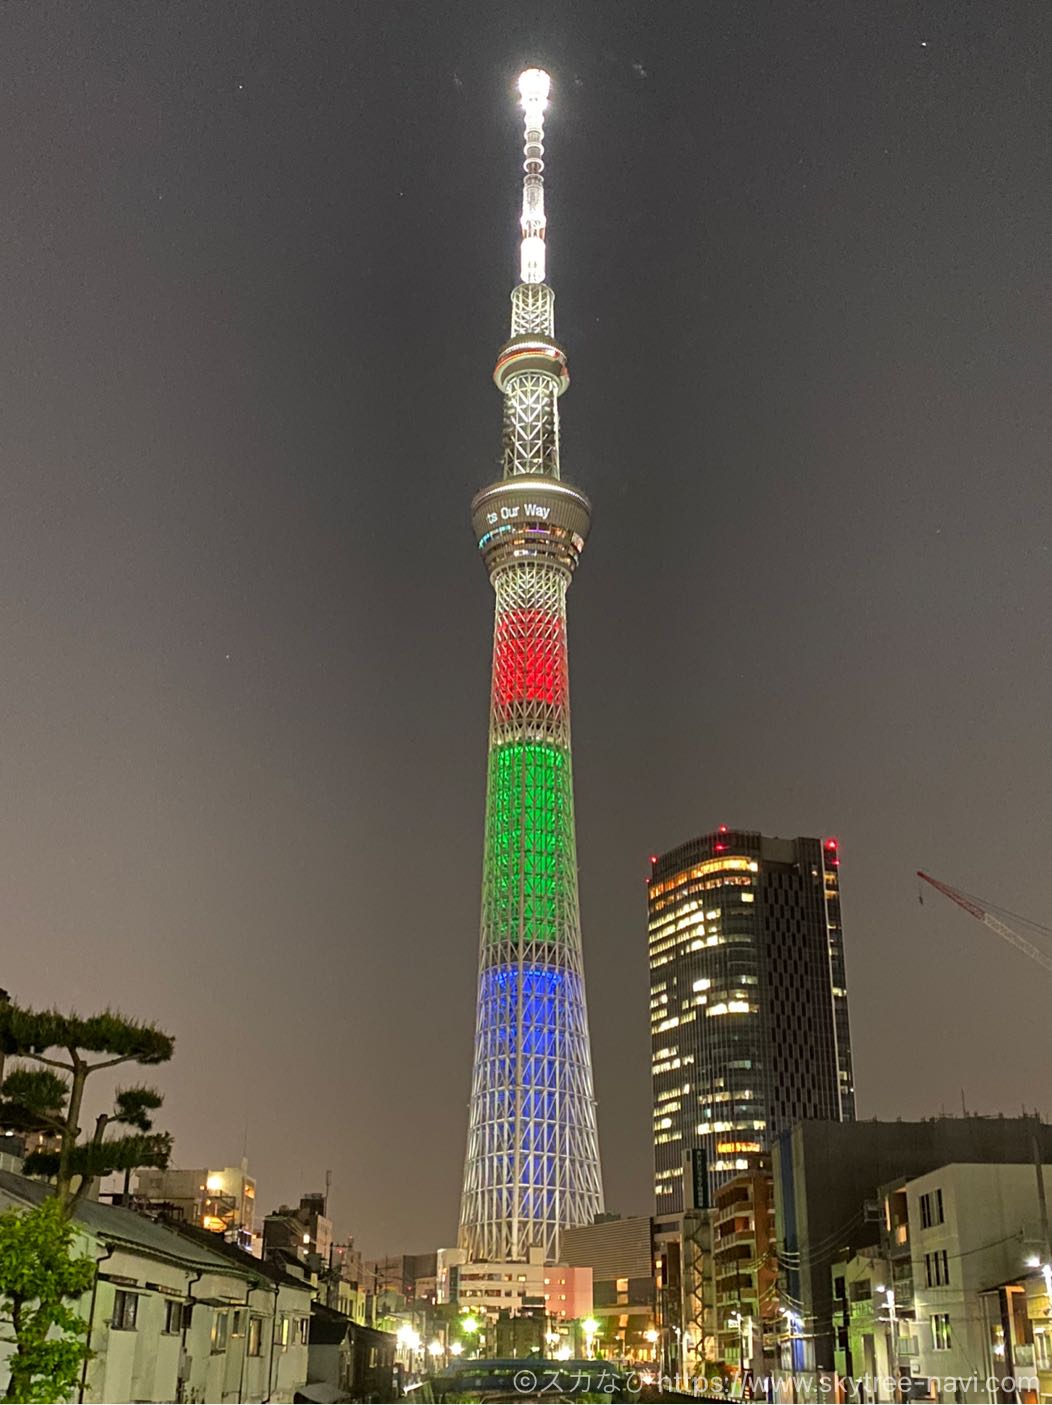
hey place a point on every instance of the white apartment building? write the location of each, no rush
(972, 1229)
(178, 1315)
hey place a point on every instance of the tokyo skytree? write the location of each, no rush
(532, 1165)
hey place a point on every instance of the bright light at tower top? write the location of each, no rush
(534, 87)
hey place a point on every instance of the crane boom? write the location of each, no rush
(995, 924)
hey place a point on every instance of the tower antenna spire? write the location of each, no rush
(534, 87)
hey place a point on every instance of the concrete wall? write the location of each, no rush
(990, 1217)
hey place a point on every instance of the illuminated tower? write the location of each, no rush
(532, 1165)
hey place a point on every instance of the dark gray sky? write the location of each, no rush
(254, 269)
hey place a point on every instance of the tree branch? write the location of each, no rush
(108, 1063)
(54, 1063)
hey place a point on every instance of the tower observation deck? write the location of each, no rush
(532, 1165)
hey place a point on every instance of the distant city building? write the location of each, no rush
(348, 1292)
(952, 1289)
(560, 1291)
(222, 1200)
(408, 1276)
(305, 1232)
(621, 1254)
(828, 1179)
(748, 1000)
(304, 1236)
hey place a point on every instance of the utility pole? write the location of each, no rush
(1042, 1201)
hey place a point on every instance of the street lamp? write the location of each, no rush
(469, 1325)
(409, 1340)
(893, 1334)
(456, 1348)
(591, 1326)
(435, 1348)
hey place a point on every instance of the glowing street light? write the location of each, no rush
(456, 1348)
(590, 1326)
(435, 1348)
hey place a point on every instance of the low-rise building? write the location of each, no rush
(347, 1360)
(303, 1232)
(952, 1295)
(222, 1200)
(564, 1291)
(178, 1315)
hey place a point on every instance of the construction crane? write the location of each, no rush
(977, 909)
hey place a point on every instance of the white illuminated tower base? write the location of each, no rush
(532, 1166)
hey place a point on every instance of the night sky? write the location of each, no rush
(254, 269)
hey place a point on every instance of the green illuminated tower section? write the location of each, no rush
(532, 1165)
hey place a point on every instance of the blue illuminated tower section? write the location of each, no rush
(532, 1165)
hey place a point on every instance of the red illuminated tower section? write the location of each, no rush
(532, 1165)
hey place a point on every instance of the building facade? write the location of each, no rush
(532, 1163)
(745, 1269)
(620, 1253)
(748, 1000)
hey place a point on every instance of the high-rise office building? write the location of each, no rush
(748, 1002)
(532, 1165)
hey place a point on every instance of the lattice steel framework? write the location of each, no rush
(532, 1164)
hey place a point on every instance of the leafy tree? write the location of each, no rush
(50, 1098)
(39, 1277)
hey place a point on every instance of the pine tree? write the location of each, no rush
(40, 1277)
(45, 1093)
